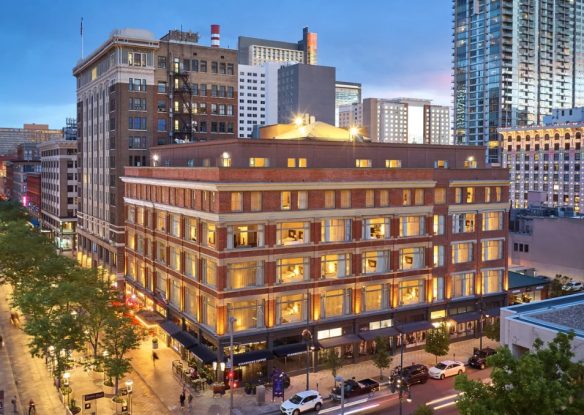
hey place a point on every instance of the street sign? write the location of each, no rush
(92, 396)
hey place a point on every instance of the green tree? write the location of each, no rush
(11, 211)
(333, 361)
(493, 330)
(437, 341)
(557, 284)
(423, 410)
(381, 358)
(120, 336)
(543, 381)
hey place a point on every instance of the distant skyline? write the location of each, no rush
(395, 48)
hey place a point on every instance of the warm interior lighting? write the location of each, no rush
(298, 121)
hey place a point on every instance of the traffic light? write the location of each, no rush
(230, 375)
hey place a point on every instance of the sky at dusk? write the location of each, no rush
(393, 47)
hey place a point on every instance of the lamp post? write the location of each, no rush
(66, 377)
(232, 321)
(307, 336)
(342, 381)
(129, 385)
(105, 354)
(399, 383)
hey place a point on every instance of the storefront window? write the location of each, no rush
(463, 284)
(376, 228)
(245, 274)
(411, 292)
(375, 262)
(293, 233)
(411, 226)
(335, 230)
(292, 270)
(335, 266)
(291, 308)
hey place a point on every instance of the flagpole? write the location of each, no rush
(82, 38)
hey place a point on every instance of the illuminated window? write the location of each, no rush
(161, 221)
(439, 196)
(160, 252)
(463, 222)
(335, 266)
(492, 250)
(487, 194)
(292, 270)
(374, 262)
(335, 303)
(191, 302)
(383, 198)
(492, 281)
(256, 201)
(470, 163)
(438, 255)
(492, 221)
(419, 197)
(438, 289)
(393, 164)
(411, 258)
(236, 201)
(190, 264)
(329, 199)
(174, 258)
(131, 214)
(412, 226)
(245, 274)
(438, 225)
(191, 231)
(376, 228)
(302, 200)
(259, 162)
(291, 308)
(374, 297)
(293, 233)
(369, 198)
(406, 197)
(457, 195)
(345, 199)
(299, 162)
(498, 194)
(441, 164)
(209, 312)
(335, 230)
(463, 284)
(363, 163)
(411, 292)
(462, 252)
(245, 236)
(209, 269)
(209, 234)
(247, 314)
(470, 191)
(285, 200)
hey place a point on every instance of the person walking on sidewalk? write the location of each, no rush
(190, 401)
(31, 408)
(182, 399)
(13, 402)
(154, 358)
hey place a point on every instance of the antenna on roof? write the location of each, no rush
(81, 33)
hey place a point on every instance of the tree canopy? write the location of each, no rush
(437, 341)
(381, 358)
(544, 381)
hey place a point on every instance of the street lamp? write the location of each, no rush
(66, 377)
(307, 336)
(129, 384)
(353, 131)
(105, 354)
(398, 382)
(342, 381)
(232, 321)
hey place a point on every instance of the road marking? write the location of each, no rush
(444, 405)
(347, 405)
(435, 401)
(365, 408)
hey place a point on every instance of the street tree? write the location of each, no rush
(543, 381)
(556, 288)
(11, 211)
(333, 362)
(381, 358)
(493, 330)
(437, 341)
(120, 336)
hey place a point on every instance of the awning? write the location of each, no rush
(149, 318)
(373, 334)
(203, 354)
(169, 327)
(254, 356)
(289, 350)
(493, 312)
(415, 326)
(465, 317)
(184, 338)
(339, 341)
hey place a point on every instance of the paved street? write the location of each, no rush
(156, 389)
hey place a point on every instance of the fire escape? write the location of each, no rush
(180, 94)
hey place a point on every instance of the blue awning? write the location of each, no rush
(339, 341)
(184, 338)
(415, 326)
(373, 334)
(289, 349)
(202, 353)
(465, 317)
(254, 356)
(169, 327)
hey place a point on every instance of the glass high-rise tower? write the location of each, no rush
(514, 60)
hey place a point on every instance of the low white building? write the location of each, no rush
(522, 324)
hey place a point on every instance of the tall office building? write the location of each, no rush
(254, 51)
(399, 120)
(258, 97)
(346, 93)
(514, 60)
(306, 89)
(135, 92)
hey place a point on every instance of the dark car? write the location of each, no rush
(478, 359)
(413, 374)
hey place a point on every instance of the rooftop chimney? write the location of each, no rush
(215, 36)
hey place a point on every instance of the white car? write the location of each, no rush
(302, 402)
(573, 286)
(446, 368)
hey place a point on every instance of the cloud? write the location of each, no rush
(15, 116)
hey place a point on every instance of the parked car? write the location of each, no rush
(412, 374)
(354, 388)
(446, 368)
(302, 402)
(479, 357)
(573, 286)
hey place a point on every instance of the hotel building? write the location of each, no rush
(265, 238)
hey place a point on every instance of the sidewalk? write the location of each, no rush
(168, 388)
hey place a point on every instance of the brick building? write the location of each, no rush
(135, 92)
(370, 239)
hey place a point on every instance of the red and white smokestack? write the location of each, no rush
(215, 36)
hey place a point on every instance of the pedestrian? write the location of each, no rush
(13, 402)
(154, 358)
(190, 400)
(31, 408)
(1, 342)
(182, 399)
